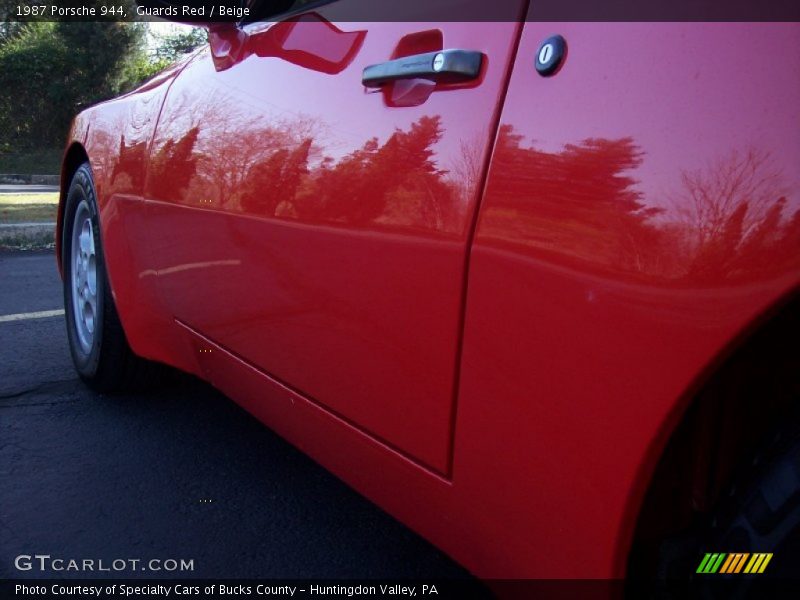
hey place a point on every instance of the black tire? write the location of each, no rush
(762, 510)
(760, 513)
(105, 362)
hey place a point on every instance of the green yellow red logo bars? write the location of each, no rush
(734, 562)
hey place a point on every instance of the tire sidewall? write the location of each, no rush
(82, 188)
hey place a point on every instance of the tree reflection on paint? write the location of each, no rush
(584, 200)
(279, 171)
(394, 183)
(175, 163)
(583, 205)
(731, 217)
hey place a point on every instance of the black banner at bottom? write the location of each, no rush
(160, 589)
(460, 589)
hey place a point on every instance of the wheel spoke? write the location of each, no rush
(84, 277)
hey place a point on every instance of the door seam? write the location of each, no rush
(480, 192)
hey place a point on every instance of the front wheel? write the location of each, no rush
(97, 342)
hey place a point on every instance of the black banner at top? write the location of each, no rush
(238, 11)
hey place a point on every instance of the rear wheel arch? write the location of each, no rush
(741, 400)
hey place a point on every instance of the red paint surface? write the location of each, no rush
(640, 213)
(323, 233)
(641, 210)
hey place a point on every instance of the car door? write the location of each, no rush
(318, 229)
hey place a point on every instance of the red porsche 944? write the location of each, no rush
(528, 285)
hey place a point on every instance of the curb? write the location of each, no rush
(21, 179)
(48, 224)
(27, 236)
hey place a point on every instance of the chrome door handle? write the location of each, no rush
(444, 65)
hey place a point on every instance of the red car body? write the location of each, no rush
(485, 306)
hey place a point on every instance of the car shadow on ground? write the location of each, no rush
(183, 472)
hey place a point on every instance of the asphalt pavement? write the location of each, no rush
(180, 473)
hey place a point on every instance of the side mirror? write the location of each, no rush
(311, 42)
(308, 41)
